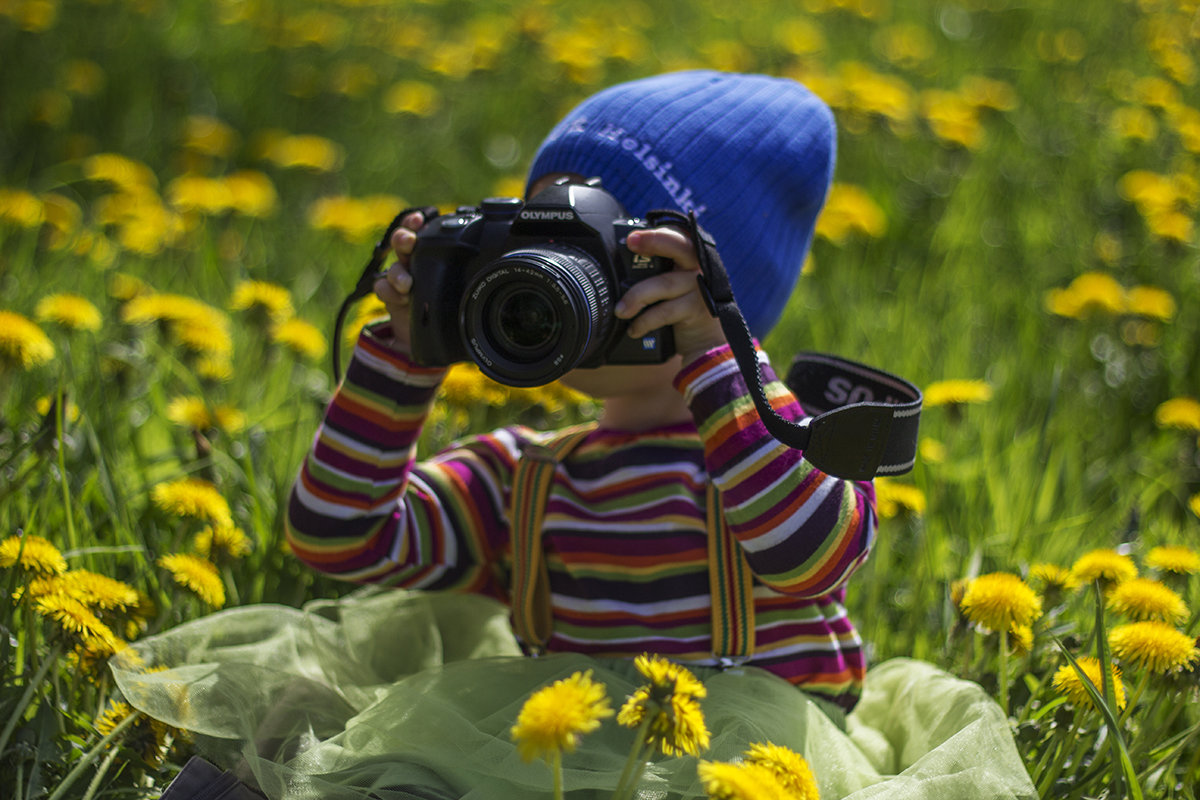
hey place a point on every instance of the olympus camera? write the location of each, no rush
(526, 290)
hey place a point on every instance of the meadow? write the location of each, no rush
(188, 189)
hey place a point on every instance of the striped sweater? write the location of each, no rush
(624, 532)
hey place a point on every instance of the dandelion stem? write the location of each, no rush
(64, 481)
(94, 786)
(557, 768)
(1136, 696)
(1004, 670)
(634, 763)
(90, 757)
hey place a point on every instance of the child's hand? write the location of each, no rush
(393, 287)
(672, 298)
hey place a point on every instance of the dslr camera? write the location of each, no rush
(526, 290)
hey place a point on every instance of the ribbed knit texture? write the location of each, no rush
(624, 530)
(752, 155)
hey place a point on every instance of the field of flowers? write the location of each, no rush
(187, 190)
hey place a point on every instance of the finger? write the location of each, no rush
(666, 286)
(666, 242)
(390, 295)
(404, 239)
(399, 278)
(665, 313)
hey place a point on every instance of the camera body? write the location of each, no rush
(527, 290)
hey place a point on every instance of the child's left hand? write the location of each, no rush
(672, 298)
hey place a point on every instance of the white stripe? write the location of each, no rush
(793, 523)
(585, 605)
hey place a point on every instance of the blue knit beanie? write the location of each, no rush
(752, 155)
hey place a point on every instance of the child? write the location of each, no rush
(675, 526)
(625, 527)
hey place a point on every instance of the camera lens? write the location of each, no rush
(534, 314)
(525, 321)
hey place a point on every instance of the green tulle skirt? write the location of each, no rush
(398, 695)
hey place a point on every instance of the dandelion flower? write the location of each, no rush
(197, 574)
(71, 311)
(555, 717)
(78, 621)
(670, 701)
(1147, 599)
(1105, 565)
(33, 554)
(227, 539)
(113, 716)
(1182, 413)
(1000, 601)
(190, 412)
(1174, 558)
(301, 337)
(22, 343)
(192, 497)
(893, 498)
(1054, 577)
(790, 769)
(1154, 645)
(147, 736)
(956, 393)
(1088, 293)
(1152, 302)
(274, 300)
(1067, 681)
(97, 592)
(723, 781)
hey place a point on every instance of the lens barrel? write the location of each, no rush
(536, 313)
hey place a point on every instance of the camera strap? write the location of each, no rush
(864, 420)
(366, 281)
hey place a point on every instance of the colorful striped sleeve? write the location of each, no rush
(361, 510)
(804, 532)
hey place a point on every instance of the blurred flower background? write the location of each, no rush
(187, 190)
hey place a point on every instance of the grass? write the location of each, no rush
(969, 212)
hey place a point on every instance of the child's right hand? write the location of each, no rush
(394, 286)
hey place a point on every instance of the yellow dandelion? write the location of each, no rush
(33, 554)
(199, 194)
(122, 172)
(304, 152)
(123, 286)
(1053, 577)
(229, 540)
(669, 703)
(1156, 646)
(1091, 292)
(192, 497)
(1182, 413)
(214, 367)
(203, 335)
(71, 311)
(1000, 601)
(79, 622)
(1194, 504)
(251, 193)
(97, 592)
(22, 343)
(229, 419)
(745, 781)
(956, 393)
(893, 498)
(113, 716)
(190, 412)
(411, 97)
(849, 210)
(269, 298)
(208, 136)
(301, 337)
(1105, 565)
(1151, 302)
(1147, 599)
(1067, 681)
(196, 574)
(555, 717)
(21, 208)
(790, 769)
(1174, 558)
(1020, 640)
(932, 451)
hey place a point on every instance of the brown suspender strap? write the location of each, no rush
(532, 479)
(730, 579)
